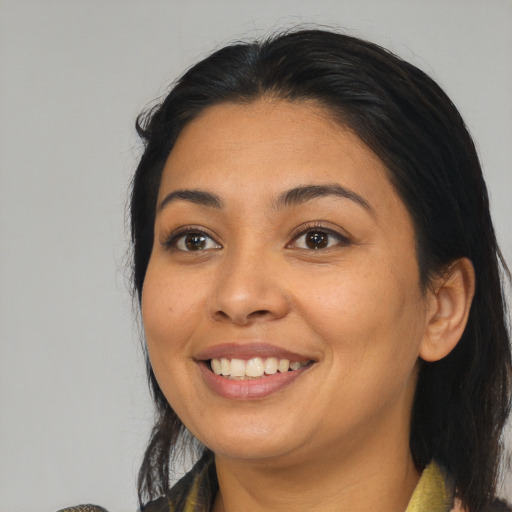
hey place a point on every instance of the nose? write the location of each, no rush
(249, 289)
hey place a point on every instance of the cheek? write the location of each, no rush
(165, 302)
(163, 306)
(167, 330)
(359, 300)
(157, 309)
(368, 314)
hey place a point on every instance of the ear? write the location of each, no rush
(448, 305)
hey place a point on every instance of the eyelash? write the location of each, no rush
(175, 237)
(319, 228)
(172, 240)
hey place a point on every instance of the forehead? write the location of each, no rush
(267, 146)
(277, 125)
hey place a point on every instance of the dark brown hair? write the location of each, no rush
(462, 401)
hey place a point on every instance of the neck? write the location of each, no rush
(375, 479)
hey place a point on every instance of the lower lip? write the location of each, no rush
(252, 389)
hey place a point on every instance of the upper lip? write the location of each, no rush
(248, 351)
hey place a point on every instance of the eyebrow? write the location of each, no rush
(200, 197)
(302, 194)
(292, 197)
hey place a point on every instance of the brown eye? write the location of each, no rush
(316, 240)
(193, 241)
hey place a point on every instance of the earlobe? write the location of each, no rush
(449, 303)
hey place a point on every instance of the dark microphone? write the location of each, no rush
(83, 508)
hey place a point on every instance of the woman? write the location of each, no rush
(312, 202)
(319, 281)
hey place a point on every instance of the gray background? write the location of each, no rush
(74, 410)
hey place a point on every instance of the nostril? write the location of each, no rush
(260, 312)
(250, 303)
(242, 319)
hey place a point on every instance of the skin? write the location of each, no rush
(337, 437)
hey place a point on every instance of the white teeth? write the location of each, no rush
(271, 365)
(237, 368)
(216, 366)
(225, 366)
(253, 368)
(284, 365)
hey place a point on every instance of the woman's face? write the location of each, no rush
(279, 239)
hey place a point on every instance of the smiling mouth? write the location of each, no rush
(255, 368)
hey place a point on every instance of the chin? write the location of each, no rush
(250, 451)
(250, 442)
